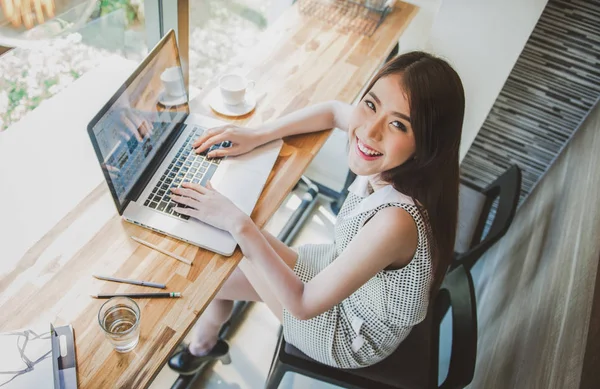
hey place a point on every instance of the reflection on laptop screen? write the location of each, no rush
(140, 120)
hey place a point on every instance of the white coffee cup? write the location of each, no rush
(172, 79)
(233, 88)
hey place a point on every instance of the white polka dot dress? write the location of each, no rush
(370, 324)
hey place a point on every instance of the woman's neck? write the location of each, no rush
(375, 183)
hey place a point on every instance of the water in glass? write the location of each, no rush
(120, 323)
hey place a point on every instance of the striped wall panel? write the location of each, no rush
(553, 85)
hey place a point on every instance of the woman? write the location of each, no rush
(350, 303)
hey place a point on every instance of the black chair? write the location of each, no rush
(475, 207)
(414, 364)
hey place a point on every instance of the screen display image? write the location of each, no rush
(140, 120)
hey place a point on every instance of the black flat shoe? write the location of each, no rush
(184, 362)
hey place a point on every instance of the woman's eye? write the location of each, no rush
(370, 105)
(399, 125)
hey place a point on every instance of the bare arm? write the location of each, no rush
(318, 117)
(389, 237)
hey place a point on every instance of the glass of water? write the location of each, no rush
(119, 318)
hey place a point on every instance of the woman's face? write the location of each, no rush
(380, 134)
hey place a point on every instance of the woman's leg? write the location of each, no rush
(206, 330)
(243, 284)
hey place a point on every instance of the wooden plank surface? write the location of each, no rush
(537, 308)
(590, 376)
(303, 61)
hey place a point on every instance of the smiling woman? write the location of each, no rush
(416, 105)
(350, 303)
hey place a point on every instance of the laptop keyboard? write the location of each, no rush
(186, 166)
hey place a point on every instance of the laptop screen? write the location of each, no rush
(130, 129)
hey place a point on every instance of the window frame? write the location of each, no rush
(164, 15)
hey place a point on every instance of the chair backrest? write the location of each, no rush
(506, 189)
(470, 206)
(458, 291)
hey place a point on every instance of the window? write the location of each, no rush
(49, 53)
(223, 34)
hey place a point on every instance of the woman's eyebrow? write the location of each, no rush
(400, 115)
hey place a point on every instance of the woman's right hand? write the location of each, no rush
(242, 140)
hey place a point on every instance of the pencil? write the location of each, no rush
(165, 252)
(138, 295)
(133, 282)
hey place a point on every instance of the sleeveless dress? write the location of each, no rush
(369, 325)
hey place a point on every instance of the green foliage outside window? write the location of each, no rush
(18, 96)
(108, 6)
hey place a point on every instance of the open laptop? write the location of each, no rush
(142, 138)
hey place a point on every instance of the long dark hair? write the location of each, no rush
(437, 104)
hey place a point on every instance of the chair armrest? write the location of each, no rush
(458, 288)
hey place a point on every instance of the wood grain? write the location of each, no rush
(536, 293)
(590, 376)
(303, 61)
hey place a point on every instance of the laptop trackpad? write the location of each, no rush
(241, 186)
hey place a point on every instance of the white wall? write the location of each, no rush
(416, 35)
(482, 39)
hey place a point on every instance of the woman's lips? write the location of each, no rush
(364, 155)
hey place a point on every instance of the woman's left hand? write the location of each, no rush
(207, 205)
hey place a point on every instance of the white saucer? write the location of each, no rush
(170, 101)
(215, 100)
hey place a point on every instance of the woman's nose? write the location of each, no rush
(373, 129)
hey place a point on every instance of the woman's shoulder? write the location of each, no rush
(395, 226)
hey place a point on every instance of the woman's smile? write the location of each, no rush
(366, 152)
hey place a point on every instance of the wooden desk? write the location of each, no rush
(308, 61)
